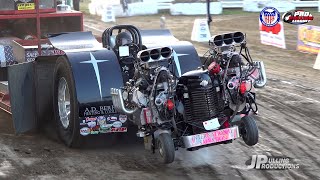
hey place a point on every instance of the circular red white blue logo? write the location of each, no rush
(269, 16)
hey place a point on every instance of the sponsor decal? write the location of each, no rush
(102, 120)
(85, 131)
(112, 118)
(214, 136)
(93, 111)
(83, 123)
(24, 5)
(104, 130)
(120, 129)
(117, 124)
(269, 16)
(100, 125)
(113, 130)
(88, 119)
(308, 39)
(203, 29)
(92, 124)
(122, 118)
(106, 127)
(297, 17)
(95, 128)
(94, 132)
(264, 162)
(31, 54)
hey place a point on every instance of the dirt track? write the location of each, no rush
(288, 123)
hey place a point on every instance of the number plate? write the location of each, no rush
(211, 137)
(212, 124)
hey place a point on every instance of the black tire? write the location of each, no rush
(70, 135)
(249, 130)
(166, 148)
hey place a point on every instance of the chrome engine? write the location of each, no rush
(155, 95)
(149, 90)
(196, 108)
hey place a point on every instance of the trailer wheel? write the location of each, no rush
(249, 130)
(166, 148)
(65, 105)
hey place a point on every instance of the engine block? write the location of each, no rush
(202, 96)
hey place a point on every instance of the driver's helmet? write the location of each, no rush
(123, 38)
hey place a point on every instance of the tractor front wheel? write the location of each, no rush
(166, 148)
(249, 130)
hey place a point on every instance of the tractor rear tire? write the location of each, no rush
(67, 129)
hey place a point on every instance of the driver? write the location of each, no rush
(123, 38)
(126, 63)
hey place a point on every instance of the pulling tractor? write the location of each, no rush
(52, 71)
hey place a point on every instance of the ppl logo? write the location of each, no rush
(269, 16)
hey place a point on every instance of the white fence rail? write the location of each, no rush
(232, 4)
(239, 4)
(153, 6)
(164, 5)
(306, 4)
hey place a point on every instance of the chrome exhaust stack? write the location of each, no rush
(262, 79)
(166, 52)
(227, 39)
(118, 103)
(154, 54)
(144, 56)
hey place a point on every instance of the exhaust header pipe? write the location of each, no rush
(118, 103)
(261, 81)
